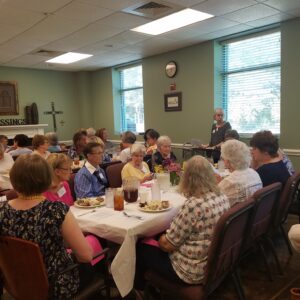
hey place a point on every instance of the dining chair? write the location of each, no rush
(223, 256)
(72, 185)
(10, 194)
(113, 174)
(24, 274)
(294, 208)
(266, 204)
(286, 200)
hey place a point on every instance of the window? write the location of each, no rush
(251, 82)
(132, 100)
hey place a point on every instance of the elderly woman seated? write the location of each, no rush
(51, 225)
(40, 145)
(242, 181)
(61, 172)
(137, 167)
(182, 253)
(163, 154)
(266, 161)
(53, 142)
(20, 145)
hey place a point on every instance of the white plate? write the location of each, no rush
(90, 206)
(153, 211)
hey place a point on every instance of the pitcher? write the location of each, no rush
(131, 189)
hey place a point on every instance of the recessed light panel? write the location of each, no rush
(68, 58)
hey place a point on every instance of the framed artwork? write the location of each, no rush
(9, 104)
(173, 101)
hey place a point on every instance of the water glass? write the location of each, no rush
(109, 197)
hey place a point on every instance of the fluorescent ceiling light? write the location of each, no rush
(174, 21)
(68, 58)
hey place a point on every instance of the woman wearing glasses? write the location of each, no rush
(61, 173)
(217, 135)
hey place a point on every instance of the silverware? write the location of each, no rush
(132, 216)
(86, 213)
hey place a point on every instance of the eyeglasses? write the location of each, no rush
(66, 169)
(220, 115)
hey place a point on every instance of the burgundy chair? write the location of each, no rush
(223, 256)
(71, 185)
(113, 174)
(265, 209)
(286, 199)
(10, 194)
(24, 275)
(294, 208)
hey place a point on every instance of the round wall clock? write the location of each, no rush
(171, 69)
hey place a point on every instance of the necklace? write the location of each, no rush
(33, 197)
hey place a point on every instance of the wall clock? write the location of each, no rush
(171, 69)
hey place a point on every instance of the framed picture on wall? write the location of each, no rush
(173, 101)
(9, 104)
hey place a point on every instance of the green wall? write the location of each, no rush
(89, 98)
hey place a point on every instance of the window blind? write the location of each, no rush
(251, 82)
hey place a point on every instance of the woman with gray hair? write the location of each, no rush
(163, 155)
(137, 167)
(242, 181)
(53, 142)
(182, 253)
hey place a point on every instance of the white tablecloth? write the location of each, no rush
(115, 226)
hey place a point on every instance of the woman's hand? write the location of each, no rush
(165, 245)
(147, 177)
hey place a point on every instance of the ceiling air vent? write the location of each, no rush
(152, 9)
(46, 53)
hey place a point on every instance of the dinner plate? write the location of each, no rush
(90, 206)
(154, 211)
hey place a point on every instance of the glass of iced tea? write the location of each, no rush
(119, 199)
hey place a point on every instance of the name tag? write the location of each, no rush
(61, 191)
(144, 169)
(101, 176)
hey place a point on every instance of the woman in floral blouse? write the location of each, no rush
(181, 255)
(49, 224)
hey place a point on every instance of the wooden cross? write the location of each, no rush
(53, 112)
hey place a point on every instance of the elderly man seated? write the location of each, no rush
(242, 181)
(91, 180)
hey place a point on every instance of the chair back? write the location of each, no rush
(113, 174)
(72, 185)
(265, 208)
(227, 243)
(10, 194)
(23, 271)
(286, 198)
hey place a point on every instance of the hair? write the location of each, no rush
(21, 140)
(52, 138)
(2, 150)
(88, 149)
(265, 141)
(237, 153)
(3, 137)
(198, 178)
(95, 139)
(99, 133)
(137, 148)
(78, 135)
(30, 175)
(56, 160)
(153, 134)
(128, 137)
(231, 134)
(38, 140)
(90, 131)
(164, 139)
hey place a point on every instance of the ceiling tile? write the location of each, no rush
(26, 61)
(218, 8)
(251, 13)
(7, 32)
(113, 4)
(270, 20)
(186, 3)
(284, 5)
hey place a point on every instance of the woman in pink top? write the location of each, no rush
(60, 190)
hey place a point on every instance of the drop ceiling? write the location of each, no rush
(33, 31)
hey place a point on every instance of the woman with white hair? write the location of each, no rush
(182, 253)
(137, 167)
(163, 155)
(242, 181)
(53, 142)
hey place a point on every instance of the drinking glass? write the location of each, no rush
(109, 197)
(119, 199)
(76, 161)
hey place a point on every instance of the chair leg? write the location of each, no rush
(266, 261)
(238, 285)
(273, 250)
(286, 239)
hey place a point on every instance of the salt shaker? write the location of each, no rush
(155, 190)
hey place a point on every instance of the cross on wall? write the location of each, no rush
(53, 112)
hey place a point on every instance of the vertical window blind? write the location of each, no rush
(132, 99)
(251, 82)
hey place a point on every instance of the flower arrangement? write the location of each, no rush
(173, 168)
